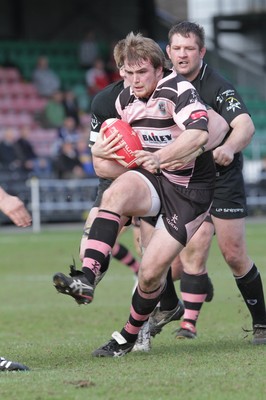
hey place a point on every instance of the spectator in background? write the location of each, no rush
(44, 78)
(96, 77)
(8, 156)
(67, 164)
(54, 112)
(67, 132)
(71, 106)
(88, 50)
(85, 157)
(30, 162)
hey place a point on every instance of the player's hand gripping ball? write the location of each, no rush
(129, 138)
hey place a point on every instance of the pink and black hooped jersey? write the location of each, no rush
(174, 107)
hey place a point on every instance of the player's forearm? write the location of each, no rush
(3, 195)
(218, 128)
(108, 169)
(191, 141)
(242, 133)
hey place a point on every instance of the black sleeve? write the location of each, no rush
(103, 107)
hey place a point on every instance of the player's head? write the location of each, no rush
(144, 63)
(186, 29)
(186, 48)
(139, 48)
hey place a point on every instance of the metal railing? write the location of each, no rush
(60, 199)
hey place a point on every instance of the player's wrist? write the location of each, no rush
(3, 194)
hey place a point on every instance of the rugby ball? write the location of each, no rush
(129, 138)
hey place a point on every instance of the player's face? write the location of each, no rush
(185, 54)
(142, 77)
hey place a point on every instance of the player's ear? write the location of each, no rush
(159, 71)
(168, 51)
(203, 52)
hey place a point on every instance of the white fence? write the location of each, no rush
(56, 198)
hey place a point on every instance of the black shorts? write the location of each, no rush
(183, 210)
(229, 196)
(103, 185)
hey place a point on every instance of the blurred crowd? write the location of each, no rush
(69, 155)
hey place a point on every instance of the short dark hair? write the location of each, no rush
(184, 28)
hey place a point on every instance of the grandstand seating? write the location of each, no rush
(257, 108)
(9, 75)
(247, 92)
(17, 88)
(63, 58)
(13, 119)
(19, 100)
(256, 150)
(21, 105)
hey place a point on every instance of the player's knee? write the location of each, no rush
(148, 281)
(236, 257)
(194, 260)
(233, 259)
(195, 268)
(108, 197)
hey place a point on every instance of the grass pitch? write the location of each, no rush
(54, 336)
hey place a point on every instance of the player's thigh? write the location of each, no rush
(146, 231)
(129, 194)
(230, 232)
(195, 254)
